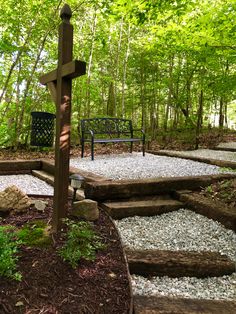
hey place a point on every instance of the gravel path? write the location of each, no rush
(227, 145)
(207, 153)
(178, 230)
(27, 183)
(217, 288)
(181, 230)
(135, 166)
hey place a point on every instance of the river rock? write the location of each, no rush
(87, 209)
(13, 198)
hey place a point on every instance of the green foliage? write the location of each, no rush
(8, 249)
(82, 242)
(157, 55)
(34, 234)
(209, 189)
(227, 169)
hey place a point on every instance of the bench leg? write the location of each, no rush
(143, 146)
(92, 150)
(82, 149)
(131, 147)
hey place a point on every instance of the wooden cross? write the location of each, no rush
(59, 83)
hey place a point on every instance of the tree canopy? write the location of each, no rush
(164, 64)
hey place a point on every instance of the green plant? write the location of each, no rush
(227, 169)
(209, 189)
(81, 242)
(34, 234)
(8, 248)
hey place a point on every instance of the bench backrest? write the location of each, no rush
(110, 126)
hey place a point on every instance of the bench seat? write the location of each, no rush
(114, 130)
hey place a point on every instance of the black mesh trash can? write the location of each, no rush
(42, 129)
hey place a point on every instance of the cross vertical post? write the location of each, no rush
(63, 113)
(59, 83)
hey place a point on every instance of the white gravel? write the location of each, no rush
(135, 166)
(178, 230)
(181, 230)
(218, 288)
(27, 183)
(207, 153)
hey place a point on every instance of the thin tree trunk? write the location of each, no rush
(111, 102)
(19, 123)
(124, 73)
(199, 119)
(221, 113)
(88, 85)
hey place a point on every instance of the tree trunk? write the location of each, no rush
(111, 102)
(221, 113)
(124, 73)
(199, 119)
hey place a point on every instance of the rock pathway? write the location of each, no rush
(206, 153)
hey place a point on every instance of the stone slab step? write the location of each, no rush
(167, 305)
(49, 178)
(178, 263)
(119, 210)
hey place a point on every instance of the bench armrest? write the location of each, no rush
(91, 133)
(138, 130)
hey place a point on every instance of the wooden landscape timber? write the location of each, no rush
(19, 166)
(211, 161)
(49, 166)
(226, 149)
(179, 263)
(144, 207)
(113, 190)
(167, 305)
(210, 208)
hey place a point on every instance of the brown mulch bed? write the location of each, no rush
(8, 154)
(50, 285)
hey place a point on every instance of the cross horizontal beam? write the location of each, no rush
(69, 70)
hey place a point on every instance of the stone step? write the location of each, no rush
(119, 210)
(167, 305)
(49, 178)
(178, 263)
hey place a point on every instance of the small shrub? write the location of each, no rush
(34, 234)
(8, 249)
(82, 242)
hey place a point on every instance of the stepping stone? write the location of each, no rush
(119, 210)
(167, 305)
(178, 263)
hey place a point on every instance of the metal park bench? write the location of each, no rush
(109, 130)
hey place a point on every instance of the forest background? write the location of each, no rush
(167, 65)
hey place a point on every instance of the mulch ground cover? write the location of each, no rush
(50, 285)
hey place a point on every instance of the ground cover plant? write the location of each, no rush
(222, 191)
(9, 246)
(81, 242)
(93, 280)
